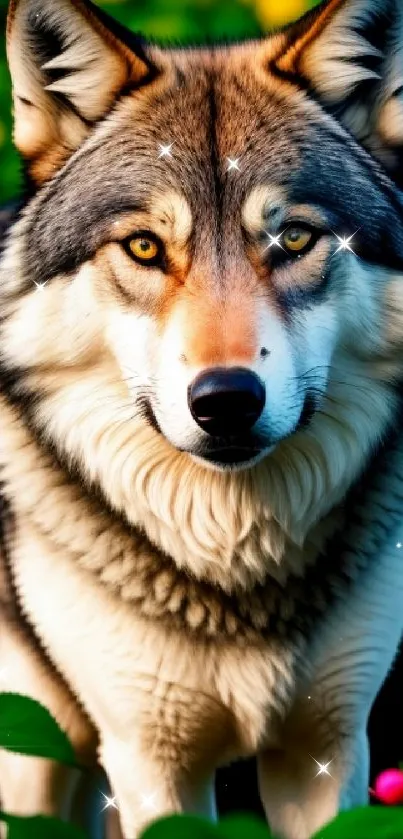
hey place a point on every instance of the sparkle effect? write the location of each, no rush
(345, 242)
(274, 240)
(322, 767)
(110, 802)
(40, 286)
(165, 150)
(233, 164)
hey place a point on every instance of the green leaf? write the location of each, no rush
(40, 827)
(181, 827)
(232, 20)
(193, 827)
(365, 823)
(26, 727)
(243, 827)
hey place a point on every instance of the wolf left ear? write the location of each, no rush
(350, 54)
(67, 68)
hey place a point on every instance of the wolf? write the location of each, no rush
(201, 457)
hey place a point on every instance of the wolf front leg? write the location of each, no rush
(31, 786)
(303, 787)
(145, 789)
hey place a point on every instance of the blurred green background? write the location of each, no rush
(177, 20)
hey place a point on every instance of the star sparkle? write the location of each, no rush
(165, 150)
(323, 770)
(40, 286)
(110, 802)
(233, 164)
(345, 242)
(399, 545)
(274, 241)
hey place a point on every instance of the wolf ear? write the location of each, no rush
(350, 54)
(67, 67)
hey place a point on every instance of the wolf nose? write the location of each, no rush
(226, 401)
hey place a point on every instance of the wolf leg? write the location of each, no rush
(355, 789)
(301, 795)
(296, 804)
(32, 786)
(146, 790)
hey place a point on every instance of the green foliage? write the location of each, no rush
(193, 827)
(181, 827)
(40, 827)
(9, 163)
(242, 826)
(186, 20)
(365, 823)
(362, 823)
(27, 728)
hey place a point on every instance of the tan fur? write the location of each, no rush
(323, 53)
(330, 56)
(43, 131)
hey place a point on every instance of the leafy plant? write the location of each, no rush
(365, 823)
(362, 823)
(192, 827)
(27, 728)
(40, 827)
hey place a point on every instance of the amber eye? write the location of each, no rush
(295, 239)
(144, 249)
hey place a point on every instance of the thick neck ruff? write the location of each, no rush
(285, 605)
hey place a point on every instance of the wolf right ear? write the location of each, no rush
(67, 68)
(350, 55)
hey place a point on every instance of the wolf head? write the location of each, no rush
(206, 277)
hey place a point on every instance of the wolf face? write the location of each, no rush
(181, 258)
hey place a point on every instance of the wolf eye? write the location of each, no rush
(296, 239)
(144, 249)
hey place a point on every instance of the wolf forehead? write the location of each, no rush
(207, 115)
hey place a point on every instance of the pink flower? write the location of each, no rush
(389, 787)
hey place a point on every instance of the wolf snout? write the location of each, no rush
(226, 401)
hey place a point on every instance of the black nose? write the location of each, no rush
(226, 401)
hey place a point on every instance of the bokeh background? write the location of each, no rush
(182, 21)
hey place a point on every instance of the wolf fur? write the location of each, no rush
(175, 610)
